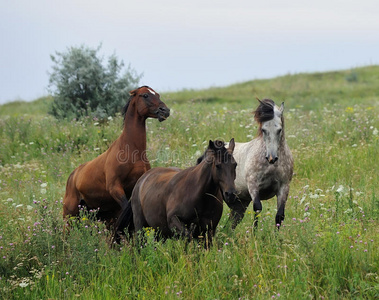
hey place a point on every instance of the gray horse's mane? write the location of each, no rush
(265, 111)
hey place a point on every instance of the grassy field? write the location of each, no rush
(326, 249)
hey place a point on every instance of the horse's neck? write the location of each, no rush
(282, 144)
(203, 179)
(134, 133)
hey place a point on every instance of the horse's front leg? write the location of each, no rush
(254, 194)
(257, 206)
(117, 192)
(237, 211)
(178, 228)
(281, 204)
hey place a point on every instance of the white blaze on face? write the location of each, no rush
(151, 91)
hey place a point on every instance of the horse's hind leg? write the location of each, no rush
(71, 203)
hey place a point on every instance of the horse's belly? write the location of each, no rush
(266, 194)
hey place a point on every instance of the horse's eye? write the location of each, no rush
(146, 95)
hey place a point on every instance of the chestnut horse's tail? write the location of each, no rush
(124, 224)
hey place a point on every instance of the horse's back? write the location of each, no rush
(149, 198)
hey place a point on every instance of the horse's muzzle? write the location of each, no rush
(163, 113)
(230, 196)
(271, 159)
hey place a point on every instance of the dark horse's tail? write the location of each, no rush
(124, 224)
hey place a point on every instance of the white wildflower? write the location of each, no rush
(43, 185)
(348, 211)
(19, 205)
(96, 123)
(23, 284)
(375, 131)
(340, 189)
(29, 207)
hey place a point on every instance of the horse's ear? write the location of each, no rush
(211, 145)
(281, 107)
(231, 145)
(133, 93)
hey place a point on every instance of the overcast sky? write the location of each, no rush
(186, 44)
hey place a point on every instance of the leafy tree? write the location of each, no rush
(82, 86)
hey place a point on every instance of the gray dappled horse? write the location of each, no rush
(264, 165)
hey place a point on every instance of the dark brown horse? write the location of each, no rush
(184, 203)
(106, 182)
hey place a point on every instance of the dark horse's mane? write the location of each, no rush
(221, 150)
(265, 111)
(125, 109)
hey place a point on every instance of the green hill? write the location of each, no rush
(311, 90)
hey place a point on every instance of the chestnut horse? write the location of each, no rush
(265, 165)
(106, 182)
(183, 203)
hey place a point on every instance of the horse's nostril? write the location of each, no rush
(164, 110)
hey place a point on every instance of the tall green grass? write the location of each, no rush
(327, 247)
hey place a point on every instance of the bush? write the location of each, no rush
(82, 86)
